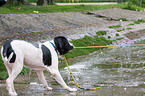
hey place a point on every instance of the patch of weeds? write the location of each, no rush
(139, 21)
(131, 24)
(101, 33)
(109, 37)
(117, 34)
(2, 66)
(87, 41)
(115, 26)
(120, 38)
(129, 28)
(121, 30)
(136, 22)
(123, 19)
(142, 21)
(4, 75)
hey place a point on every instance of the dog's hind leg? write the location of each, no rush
(57, 76)
(16, 69)
(42, 79)
(9, 69)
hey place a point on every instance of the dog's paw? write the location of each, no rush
(72, 89)
(49, 88)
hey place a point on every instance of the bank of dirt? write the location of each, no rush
(45, 26)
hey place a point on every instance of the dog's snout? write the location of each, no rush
(71, 44)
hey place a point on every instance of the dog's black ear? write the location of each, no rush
(62, 45)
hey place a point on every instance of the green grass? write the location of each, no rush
(137, 22)
(129, 28)
(3, 71)
(3, 75)
(115, 26)
(133, 7)
(101, 33)
(76, 1)
(87, 41)
(131, 24)
(86, 1)
(57, 8)
(2, 66)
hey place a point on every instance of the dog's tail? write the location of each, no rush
(7, 59)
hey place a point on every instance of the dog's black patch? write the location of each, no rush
(7, 50)
(62, 45)
(46, 55)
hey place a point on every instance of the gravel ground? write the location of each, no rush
(117, 13)
(45, 26)
(26, 23)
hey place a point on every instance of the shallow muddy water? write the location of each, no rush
(118, 71)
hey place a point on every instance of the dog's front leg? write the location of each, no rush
(59, 79)
(42, 79)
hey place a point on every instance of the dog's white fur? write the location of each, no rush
(29, 56)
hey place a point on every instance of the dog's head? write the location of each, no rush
(62, 45)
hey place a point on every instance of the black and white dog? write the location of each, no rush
(19, 53)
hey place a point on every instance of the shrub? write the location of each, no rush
(117, 34)
(101, 33)
(109, 37)
(133, 6)
(140, 3)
